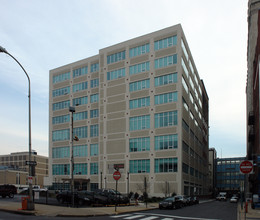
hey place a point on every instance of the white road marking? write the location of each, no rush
(134, 216)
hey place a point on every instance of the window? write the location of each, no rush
(166, 42)
(139, 166)
(81, 132)
(60, 169)
(185, 147)
(94, 83)
(166, 79)
(61, 91)
(184, 50)
(93, 168)
(166, 98)
(93, 149)
(116, 57)
(166, 165)
(165, 119)
(166, 142)
(61, 152)
(94, 67)
(80, 101)
(191, 98)
(94, 113)
(191, 171)
(139, 103)
(94, 131)
(80, 116)
(185, 126)
(185, 86)
(80, 151)
(60, 105)
(61, 135)
(139, 144)
(139, 122)
(165, 61)
(184, 68)
(116, 74)
(185, 105)
(80, 71)
(185, 168)
(60, 119)
(61, 77)
(80, 169)
(139, 68)
(139, 50)
(80, 86)
(94, 98)
(139, 85)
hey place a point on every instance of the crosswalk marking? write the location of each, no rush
(120, 216)
(134, 216)
(149, 218)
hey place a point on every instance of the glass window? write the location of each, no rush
(185, 168)
(61, 135)
(139, 144)
(94, 67)
(80, 116)
(93, 149)
(81, 132)
(166, 42)
(60, 119)
(61, 77)
(94, 131)
(166, 79)
(165, 119)
(80, 101)
(139, 122)
(166, 142)
(165, 165)
(94, 113)
(139, 68)
(139, 166)
(60, 169)
(185, 86)
(80, 86)
(80, 169)
(60, 105)
(139, 103)
(94, 98)
(139, 50)
(184, 68)
(61, 91)
(93, 168)
(80, 71)
(80, 151)
(139, 85)
(116, 74)
(165, 61)
(61, 152)
(166, 98)
(116, 57)
(94, 83)
(184, 50)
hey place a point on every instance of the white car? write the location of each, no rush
(234, 199)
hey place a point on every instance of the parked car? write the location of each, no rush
(194, 200)
(7, 190)
(183, 199)
(80, 198)
(109, 196)
(221, 198)
(170, 203)
(234, 199)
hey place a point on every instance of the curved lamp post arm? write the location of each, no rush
(3, 50)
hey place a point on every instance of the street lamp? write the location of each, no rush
(72, 110)
(30, 204)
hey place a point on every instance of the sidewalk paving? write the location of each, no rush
(252, 214)
(50, 210)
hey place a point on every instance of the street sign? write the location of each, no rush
(30, 179)
(246, 166)
(34, 163)
(116, 175)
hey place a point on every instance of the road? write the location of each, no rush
(210, 211)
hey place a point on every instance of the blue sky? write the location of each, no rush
(47, 34)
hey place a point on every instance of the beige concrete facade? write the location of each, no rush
(117, 118)
(15, 171)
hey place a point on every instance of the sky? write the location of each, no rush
(44, 35)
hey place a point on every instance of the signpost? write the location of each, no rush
(116, 176)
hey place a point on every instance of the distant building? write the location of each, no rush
(212, 170)
(229, 179)
(252, 93)
(140, 107)
(13, 168)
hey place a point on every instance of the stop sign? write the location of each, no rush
(246, 166)
(116, 175)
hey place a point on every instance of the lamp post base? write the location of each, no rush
(30, 205)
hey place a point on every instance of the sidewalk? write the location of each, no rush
(252, 214)
(50, 210)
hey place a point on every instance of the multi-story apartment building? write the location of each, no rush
(252, 93)
(15, 171)
(141, 107)
(229, 178)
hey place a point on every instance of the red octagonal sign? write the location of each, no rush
(246, 166)
(116, 175)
